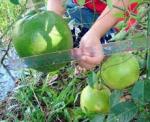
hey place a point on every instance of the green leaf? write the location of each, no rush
(146, 90)
(16, 2)
(111, 118)
(109, 3)
(120, 36)
(81, 2)
(67, 94)
(143, 117)
(138, 36)
(77, 114)
(98, 118)
(142, 61)
(67, 115)
(115, 97)
(92, 79)
(122, 112)
(119, 15)
(120, 25)
(138, 1)
(138, 92)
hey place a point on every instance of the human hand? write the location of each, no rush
(91, 49)
(56, 6)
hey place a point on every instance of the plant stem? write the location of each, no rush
(148, 52)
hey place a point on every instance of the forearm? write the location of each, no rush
(107, 19)
(56, 6)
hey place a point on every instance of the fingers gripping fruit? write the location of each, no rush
(40, 33)
(120, 71)
(94, 100)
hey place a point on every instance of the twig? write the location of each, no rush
(140, 17)
(9, 73)
(6, 52)
(124, 10)
(2, 61)
(8, 46)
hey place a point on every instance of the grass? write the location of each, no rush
(8, 13)
(51, 97)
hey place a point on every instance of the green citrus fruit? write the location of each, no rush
(40, 33)
(94, 100)
(120, 71)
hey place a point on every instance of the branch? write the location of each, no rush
(3, 58)
(6, 52)
(9, 45)
(9, 73)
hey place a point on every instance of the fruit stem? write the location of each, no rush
(98, 86)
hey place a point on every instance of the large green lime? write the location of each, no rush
(94, 100)
(120, 71)
(41, 33)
